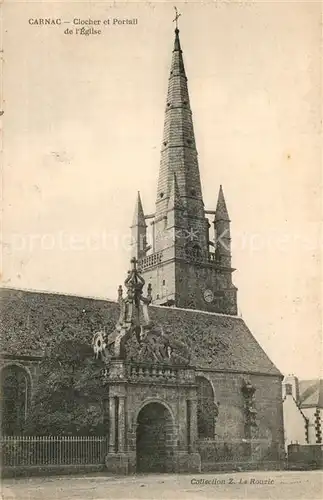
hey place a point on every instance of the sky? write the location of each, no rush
(82, 130)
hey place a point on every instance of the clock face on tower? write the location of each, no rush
(208, 296)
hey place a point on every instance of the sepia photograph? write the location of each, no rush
(161, 269)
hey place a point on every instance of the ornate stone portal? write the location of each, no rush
(150, 390)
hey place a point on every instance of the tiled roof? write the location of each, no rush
(32, 321)
(311, 393)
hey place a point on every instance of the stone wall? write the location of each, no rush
(186, 283)
(267, 436)
(192, 281)
(268, 402)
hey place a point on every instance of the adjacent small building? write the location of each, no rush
(303, 408)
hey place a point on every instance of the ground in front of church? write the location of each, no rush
(246, 485)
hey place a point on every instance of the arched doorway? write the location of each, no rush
(154, 439)
(15, 393)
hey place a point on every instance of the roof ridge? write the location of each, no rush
(211, 313)
(63, 294)
(93, 297)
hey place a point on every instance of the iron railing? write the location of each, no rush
(52, 450)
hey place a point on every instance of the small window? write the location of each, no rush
(289, 389)
(163, 282)
(161, 195)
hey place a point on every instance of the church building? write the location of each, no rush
(187, 386)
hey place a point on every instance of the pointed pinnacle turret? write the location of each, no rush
(138, 216)
(221, 212)
(138, 231)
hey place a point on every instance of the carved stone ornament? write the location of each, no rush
(156, 345)
(99, 345)
(135, 337)
(248, 391)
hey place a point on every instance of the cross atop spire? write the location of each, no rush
(175, 20)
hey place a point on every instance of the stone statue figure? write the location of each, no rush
(159, 345)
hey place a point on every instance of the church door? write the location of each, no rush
(154, 439)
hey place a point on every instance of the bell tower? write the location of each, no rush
(185, 268)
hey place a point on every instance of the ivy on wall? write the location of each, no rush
(70, 396)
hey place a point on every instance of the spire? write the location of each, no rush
(221, 212)
(174, 195)
(178, 153)
(181, 265)
(138, 216)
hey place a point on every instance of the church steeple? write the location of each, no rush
(182, 268)
(178, 152)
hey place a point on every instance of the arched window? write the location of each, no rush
(206, 409)
(15, 387)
